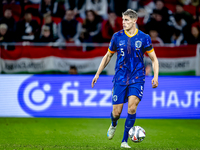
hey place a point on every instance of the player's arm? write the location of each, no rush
(103, 64)
(155, 65)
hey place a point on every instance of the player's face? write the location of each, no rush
(128, 23)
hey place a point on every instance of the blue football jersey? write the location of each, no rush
(130, 50)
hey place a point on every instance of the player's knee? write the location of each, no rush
(132, 109)
(116, 112)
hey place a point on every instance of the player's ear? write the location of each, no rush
(134, 20)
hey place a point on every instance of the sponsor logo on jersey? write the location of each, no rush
(122, 42)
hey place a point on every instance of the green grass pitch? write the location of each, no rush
(90, 134)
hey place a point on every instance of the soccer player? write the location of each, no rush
(128, 81)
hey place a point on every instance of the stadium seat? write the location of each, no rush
(57, 20)
(171, 7)
(190, 8)
(34, 6)
(37, 19)
(79, 19)
(33, 9)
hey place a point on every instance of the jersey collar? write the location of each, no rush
(132, 35)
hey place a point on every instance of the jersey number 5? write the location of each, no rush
(122, 52)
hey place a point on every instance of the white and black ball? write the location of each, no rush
(137, 134)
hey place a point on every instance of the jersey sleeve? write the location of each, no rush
(148, 45)
(112, 45)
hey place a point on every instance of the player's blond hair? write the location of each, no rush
(131, 13)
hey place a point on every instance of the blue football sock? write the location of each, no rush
(114, 120)
(130, 120)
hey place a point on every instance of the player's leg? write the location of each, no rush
(133, 102)
(115, 115)
(135, 93)
(118, 95)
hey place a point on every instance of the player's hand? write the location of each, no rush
(154, 82)
(94, 80)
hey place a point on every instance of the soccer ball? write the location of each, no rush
(137, 134)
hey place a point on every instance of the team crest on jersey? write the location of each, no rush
(138, 44)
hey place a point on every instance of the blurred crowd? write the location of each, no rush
(77, 21)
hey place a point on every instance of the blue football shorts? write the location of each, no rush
(120, 93)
